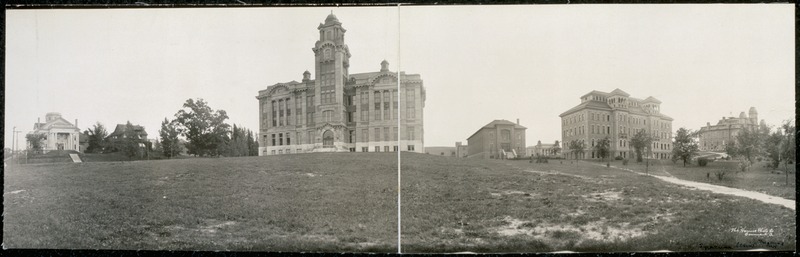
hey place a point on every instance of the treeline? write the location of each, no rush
(205, 133)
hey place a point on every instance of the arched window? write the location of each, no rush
(327, 139)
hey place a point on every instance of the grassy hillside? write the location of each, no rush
(346, 202)
(310, 202)
(453, 204)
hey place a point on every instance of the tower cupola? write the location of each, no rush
(384, 66)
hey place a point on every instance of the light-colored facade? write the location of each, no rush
(545, 150)
(617, 116)
(715, 137)
(339, 111)
(60, 133)
(461, 150)
(496, 140)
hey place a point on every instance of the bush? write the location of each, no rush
(625, 162)
(702, 162)
(618, 158)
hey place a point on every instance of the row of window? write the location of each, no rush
(363, 149)
(388, 133)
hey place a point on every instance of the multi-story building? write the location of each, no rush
(59, 133)
(617, 116)
(715, 137)
(499, 139)
(339, 111)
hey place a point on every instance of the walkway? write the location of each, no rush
(721, 189)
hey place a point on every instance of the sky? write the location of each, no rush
(478, 64)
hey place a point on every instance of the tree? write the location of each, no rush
(641, 143)
(35, 141)
(204, 128)
(170, 144)
(576, 147)
(773, 147)
(603, 147)
(97, 138)
(685, 147)
(556, 147)
(789, 147)
(130, 143)
(749, 144)
(252, 144)
(238, 144)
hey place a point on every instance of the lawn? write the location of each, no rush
(309, 202)
(453, 204)
(347, 202)
(757, 178)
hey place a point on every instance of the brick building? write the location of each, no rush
(715, 137)
(499, 139)
(617, 116)
(338, 111)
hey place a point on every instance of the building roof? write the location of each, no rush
(601, 105)
(619, 92)
(120, 130)
(58, 122)
(494, 124)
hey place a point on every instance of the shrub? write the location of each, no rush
(702, 162)
(720, 173)
(625, 162)
(618, 158)
(744, 165)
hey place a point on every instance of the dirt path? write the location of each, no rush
(722, 189)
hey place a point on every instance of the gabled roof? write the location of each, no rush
(495, 123)
(58, 122)
(120, 130)
(651, 99)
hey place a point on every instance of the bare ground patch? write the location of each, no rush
(562, 235)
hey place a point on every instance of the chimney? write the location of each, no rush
(517, 121)
(38, 119)
(76, 122)
(306, 76)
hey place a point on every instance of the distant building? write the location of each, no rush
(60, 133)
(499, 139)
(545, 150)
(441, 150)
(338, 111)
(119, 134)
(461, 150)
(715, 137)
(617, 116)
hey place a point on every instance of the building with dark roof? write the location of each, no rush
(119, 132)
(338, 111)
(617, 116)
(500, 139)
(715, 137)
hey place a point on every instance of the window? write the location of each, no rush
(386, 102)
(411, 148)
(386, 148)
(364, 106)
(386, 134)
(273, 141)
(394, 98)
(365, 149)
(274, 114)
(377, 134)
(280, 139)
(364, 135)
(310, 138)
(377, 100)
(410, 133)
(352, 138)
(394, 134)
(377, 149)
(394, 148)
(288, 140)
(410, 101)
(280, 112)
(505, 135)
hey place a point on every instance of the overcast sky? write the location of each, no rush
(477, 63)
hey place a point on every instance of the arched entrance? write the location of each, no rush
(327, 139)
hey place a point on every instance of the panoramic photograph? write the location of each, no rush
(401, 129)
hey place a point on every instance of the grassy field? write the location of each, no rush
(346, 202)
(452, 204)
(258, 203)
(758, 178)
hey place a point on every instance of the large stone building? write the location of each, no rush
(338, 111)
(59, 133)
(715, 137)
(499, 139)
(617, 116)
